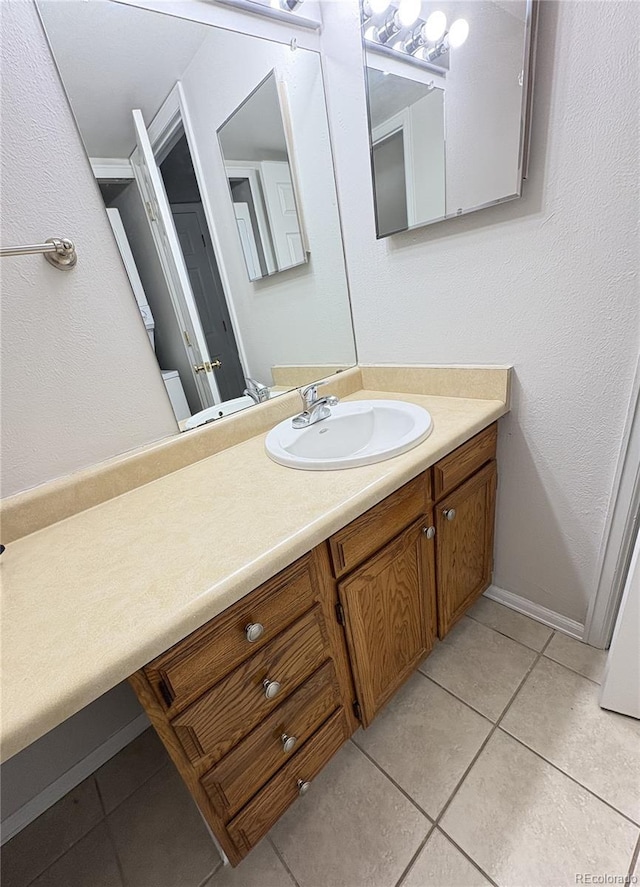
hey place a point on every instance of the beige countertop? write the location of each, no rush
(92, 598)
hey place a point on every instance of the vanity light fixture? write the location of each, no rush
(282, 10)
(453, 39)
(371, 8)
(286, 5)
(399, 19)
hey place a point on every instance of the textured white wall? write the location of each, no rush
(79, 381)
(548, 283)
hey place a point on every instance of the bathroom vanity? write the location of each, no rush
(261, 613)
(254, 703)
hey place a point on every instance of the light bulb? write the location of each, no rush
(458, 33)
(408, 12)
(435, 26)
(375, 7)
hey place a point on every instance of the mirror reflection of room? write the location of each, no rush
(258, 167)
(447, 94)
(227, 278)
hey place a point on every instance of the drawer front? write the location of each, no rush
(368, 533)
(247, 767)
(210, 727)
(183, 673)
(449, 472)
(255, 820)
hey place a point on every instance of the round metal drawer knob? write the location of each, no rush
(303, 787)
(288, 742)
(271, 688)
(253, 631)
(429, 532)
(449, 513)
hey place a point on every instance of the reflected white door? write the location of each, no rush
(282, 212)
(167, 245)
(248, 240)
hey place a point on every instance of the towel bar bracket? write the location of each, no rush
(58, 251)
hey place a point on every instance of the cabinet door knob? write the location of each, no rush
(288, 742)
(429, 532)
(303, 787)
(253, 631)
(449, 513)
(271, 688)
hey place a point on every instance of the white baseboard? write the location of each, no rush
(536, 611)
(73, 777)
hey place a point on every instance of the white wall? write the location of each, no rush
(548, 283)
(73, 393)
(299, 316)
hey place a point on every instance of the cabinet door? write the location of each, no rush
(389, 606)
(464, 545)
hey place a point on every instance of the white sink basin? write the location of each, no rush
(356, 433)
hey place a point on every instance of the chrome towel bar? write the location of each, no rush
(58, 251)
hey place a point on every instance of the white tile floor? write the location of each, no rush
(493, 765)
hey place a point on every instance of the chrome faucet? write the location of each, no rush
(315, 408)
(256, 391)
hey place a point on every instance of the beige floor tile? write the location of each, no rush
(526, 824)
(160, 837)
(515, 625)
(425, 740)
(89, 863)
(353, 829)
(37, 846)
(557, 714)
(130, 768)
(580, 657)
(479, 666)
(440, 864)
(261, 868)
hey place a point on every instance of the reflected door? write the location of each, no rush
(281, 209)
(209, 295)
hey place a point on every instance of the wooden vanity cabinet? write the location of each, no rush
(465, 485)
(390, 616)
(252, 705)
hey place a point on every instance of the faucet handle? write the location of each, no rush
(309, 395)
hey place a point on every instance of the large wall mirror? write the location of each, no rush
(212, 154)
(449, 94)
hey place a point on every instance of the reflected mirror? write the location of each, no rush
(261, 185)
(150, 91)
(448, 94)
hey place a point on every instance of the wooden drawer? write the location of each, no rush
(192, 666)
(449, 472)
(255, 820)
(210, 727)
(368, 533)
(239, 775)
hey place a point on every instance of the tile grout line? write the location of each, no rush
(457, 698)
(420, 848)
(573, 670)
(572, 778)
(634, 858)
(466, 855)
(77, 840)
(402, 791)
(491, 733)
(505, 635)
(211, 875)
(274, 847)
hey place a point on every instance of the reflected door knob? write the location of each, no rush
(303, 787)
(429, 532)
(271, 688)
(449, 513)
(253, 631)
(288, 742)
